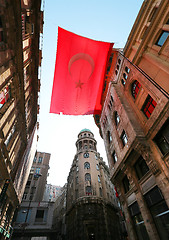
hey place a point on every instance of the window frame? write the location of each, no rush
(161, 138)
(160, 38)
(135, 88)
(149, 103)
(124, 138)
(85, 165)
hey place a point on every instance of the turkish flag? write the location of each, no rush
(79, 74)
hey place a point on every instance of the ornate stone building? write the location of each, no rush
(20, 25)
(135, 123)
(91, 204)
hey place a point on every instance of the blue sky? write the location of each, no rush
(109, 21)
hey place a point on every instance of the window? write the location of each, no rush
(40, 160)
(126, 184)
(39, 216)
(114, 156)
(141, 168)
(162, 38)
(5, 95)
(138, 222)
(159, 211)
(37, 170)
(109, 137)
(127, 69)
(149, 106)
(24, 196)
(162, 138)
(87, 177)
(32, 170)
(76, 193)
(88, 190)
(10, 134)
(1, 31)
(125, 76)
(111, 98)
(124, 138)
(28, 183)
(100, 190)
(99, 179)
(135, 88)
(123, 82)
(86, 165)
(97, 167)
(34, 160)
(117, 118)
(77, 180)
(80, 145)
(85, 147)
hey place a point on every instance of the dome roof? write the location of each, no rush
(85, 130)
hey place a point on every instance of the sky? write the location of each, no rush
(108, 21)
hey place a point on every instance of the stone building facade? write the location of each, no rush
(91, 204)
(135, 123)
(34, 216)
(20, 26)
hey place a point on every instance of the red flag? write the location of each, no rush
(79, 74)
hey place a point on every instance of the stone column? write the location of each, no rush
(128, 219)
(146, 215)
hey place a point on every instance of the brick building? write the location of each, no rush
(20, 25)
(134, 123)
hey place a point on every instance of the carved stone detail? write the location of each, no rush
(145, 152)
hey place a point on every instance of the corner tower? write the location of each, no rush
(91, 202)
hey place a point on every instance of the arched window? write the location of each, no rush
(117, 118)
(80, 145)
(135, 88)
(87, 177)
(86, 165)
(85, 147)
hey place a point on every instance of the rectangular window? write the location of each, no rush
(124, 138)
(34, 160)
(28, 183)
(148, 106)
(5, 95)
(37, 170)
(114, 156)
(162, 138)
(40, 160)
(162, 38)
(141, 167)
(159, 211)
(39, 216)
(126, 184)
(1, 31)
(138, 222)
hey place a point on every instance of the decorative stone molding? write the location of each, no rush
(145, 152)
